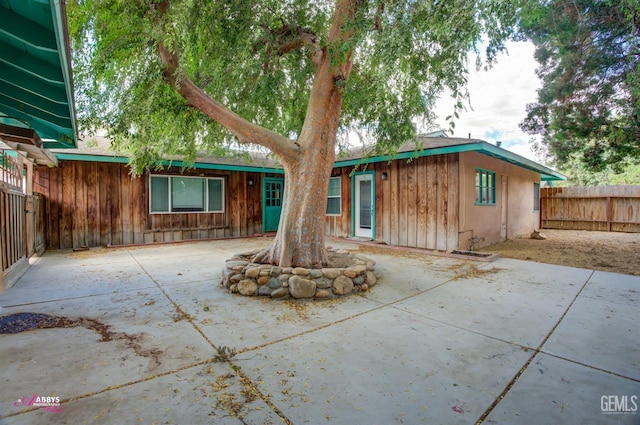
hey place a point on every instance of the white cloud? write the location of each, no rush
(498, 101)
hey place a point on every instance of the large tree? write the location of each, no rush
(588, 108)
(177, 77)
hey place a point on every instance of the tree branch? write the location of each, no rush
(289, 39)
(246, 132)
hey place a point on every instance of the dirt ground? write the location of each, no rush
(607, 251)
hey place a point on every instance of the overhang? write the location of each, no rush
(442, 146)
(36, 86)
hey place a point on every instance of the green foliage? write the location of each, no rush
(588, 109)
(578, 174)
(245, 56)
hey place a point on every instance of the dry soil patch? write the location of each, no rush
(608, 251)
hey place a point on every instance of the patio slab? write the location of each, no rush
(438, 340)
(556, 391)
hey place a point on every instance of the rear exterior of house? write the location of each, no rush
(453, 194)
(98, 203)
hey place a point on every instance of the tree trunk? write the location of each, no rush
(300, 237)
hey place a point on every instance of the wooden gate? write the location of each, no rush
(12, 236)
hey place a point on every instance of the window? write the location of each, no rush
(485, 187)
(333, 197)
(178, 194)
(536, 197)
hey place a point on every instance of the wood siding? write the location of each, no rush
(417, 206)
(603, 208)
(98, 204)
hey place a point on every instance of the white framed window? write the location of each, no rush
(181, 194)
(334, 201)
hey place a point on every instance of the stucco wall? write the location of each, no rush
(483, 222)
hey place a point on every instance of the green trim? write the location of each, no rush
(264, 199)
(167, 163)
(373, 202)
(546, 174)
(59, 12)
(493, 188)
(90, 158)
(407, 155)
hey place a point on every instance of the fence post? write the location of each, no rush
(608, 213)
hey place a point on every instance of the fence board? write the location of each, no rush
(600, 208)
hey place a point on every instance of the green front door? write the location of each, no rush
(272, 192)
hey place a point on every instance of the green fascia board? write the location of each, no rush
(406, 155)
(167, 163)
(546, 174)
(59, 14)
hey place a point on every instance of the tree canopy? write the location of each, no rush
(259, 59)
(588, 108)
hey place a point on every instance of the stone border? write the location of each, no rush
(242, 276)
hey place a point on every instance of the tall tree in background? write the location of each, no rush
(177, 77)
(589, 105)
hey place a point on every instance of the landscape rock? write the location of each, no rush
(247, 287)
(331, 273)
(324, 283)
(274, 283)
(321, 293)
(264, 290)
(252, 272)
(301, 288)
(279, 293)
(371, 278)
(342, 285)
(300, 271)
(315, 273)
(262, 280)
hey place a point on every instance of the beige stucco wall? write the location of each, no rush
(484, 221)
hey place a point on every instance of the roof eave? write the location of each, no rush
(59, 12)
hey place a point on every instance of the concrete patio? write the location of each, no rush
(438, 341)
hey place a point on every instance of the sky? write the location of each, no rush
(499, 98)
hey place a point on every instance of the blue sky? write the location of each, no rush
(499, 98)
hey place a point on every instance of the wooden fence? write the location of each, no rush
(601, 208)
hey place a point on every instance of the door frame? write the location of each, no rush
(355, 203)
(264, 200)
(504, 208)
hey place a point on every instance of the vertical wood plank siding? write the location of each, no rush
(99, 204)
(417, 206)
(602, 208)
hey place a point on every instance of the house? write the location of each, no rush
(449, 194)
